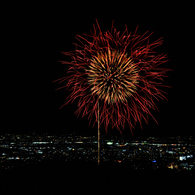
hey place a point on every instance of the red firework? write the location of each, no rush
(115, 77)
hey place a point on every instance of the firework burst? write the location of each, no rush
(115, 75)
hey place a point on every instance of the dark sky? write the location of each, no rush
(33, 38)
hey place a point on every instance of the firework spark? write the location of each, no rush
(112, 76)
(119, 71)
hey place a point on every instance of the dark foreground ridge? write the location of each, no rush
(77, 177)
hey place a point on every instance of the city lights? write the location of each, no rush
(176, 153)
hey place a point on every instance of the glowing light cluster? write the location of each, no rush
(112, 76)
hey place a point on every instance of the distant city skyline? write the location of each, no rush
(175, 153)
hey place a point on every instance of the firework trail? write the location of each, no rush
(120, 72)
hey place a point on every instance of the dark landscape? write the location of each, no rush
(78, 177)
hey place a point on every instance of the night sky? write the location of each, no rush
(32, 41)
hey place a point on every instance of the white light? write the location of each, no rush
(182, 158)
